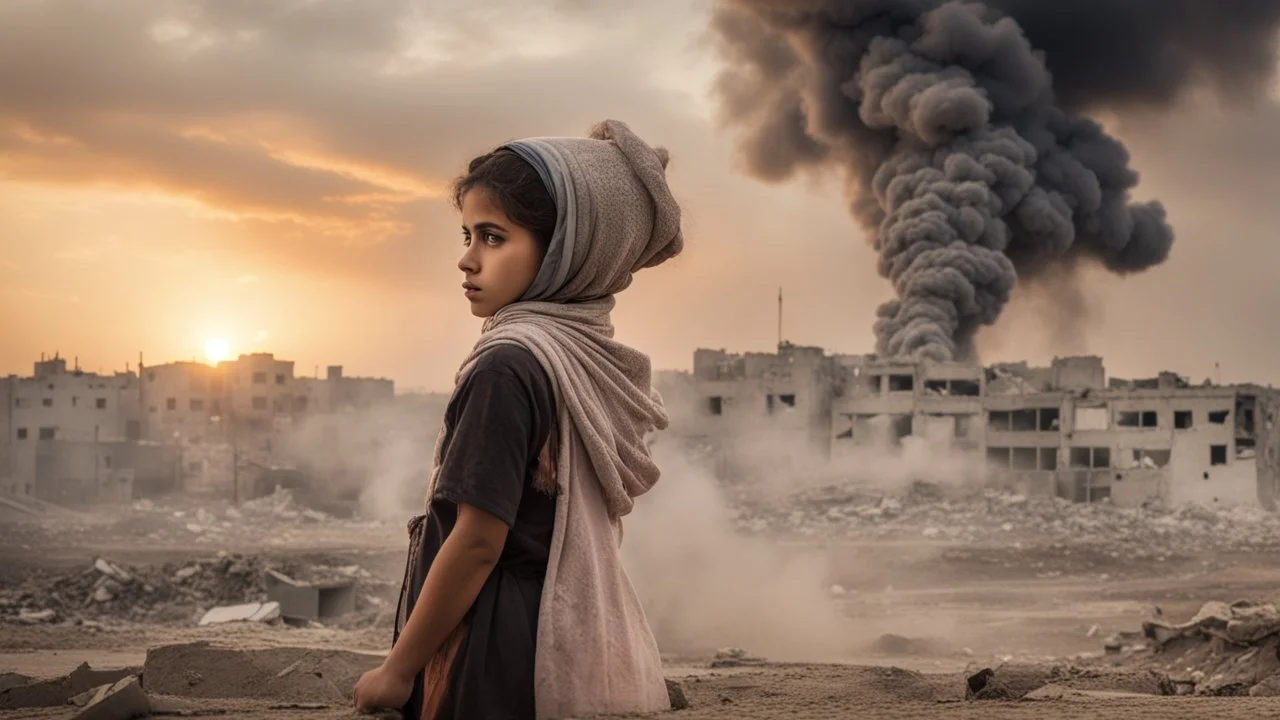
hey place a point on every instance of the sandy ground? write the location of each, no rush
(967, 606)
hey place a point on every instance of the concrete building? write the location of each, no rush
(1062, 429)
(68, 405)
(207, 424)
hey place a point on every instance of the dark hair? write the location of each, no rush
(516, 187)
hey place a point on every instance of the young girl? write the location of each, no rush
(515, 603)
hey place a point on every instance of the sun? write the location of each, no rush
(217, 350)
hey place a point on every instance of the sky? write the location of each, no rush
(274, 174)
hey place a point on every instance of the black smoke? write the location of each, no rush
(961, 130)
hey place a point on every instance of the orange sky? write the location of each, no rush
(270, 173)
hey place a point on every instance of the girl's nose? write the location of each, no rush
(467, 263)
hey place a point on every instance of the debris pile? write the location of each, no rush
(924, 512)
(172, 592)
(1223, 650)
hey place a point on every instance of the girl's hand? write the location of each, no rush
(381, 688)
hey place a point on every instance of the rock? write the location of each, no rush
(186, 572)
(675, 691)
(122, 701)
(32, 617)
(1270, 687)
(249, 612)
(1093, 631)
(734, 657)
(112, 571)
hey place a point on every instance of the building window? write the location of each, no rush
(259, 403)
(259, 378)
(106, 460)
(1137, 419)
(48, 433)
(901, 383)
(22, 433)
(102, 403)
(1026, 420)
(74, 401)
(999, 457)
(171, 404)
(1086, 458)
(1182, 419)
(47, 402)
(715, 404)
(197, 405)
(1217, 454)
(151, 376)
(1026, 459)
(279, 379)
(1219, 417)
(1151, 459)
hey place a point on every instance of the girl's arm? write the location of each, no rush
(458, 572)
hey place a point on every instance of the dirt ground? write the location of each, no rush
(955, 607)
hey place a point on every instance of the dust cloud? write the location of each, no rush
(706, 584)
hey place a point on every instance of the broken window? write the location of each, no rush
(259, 403)
(846, 435)
(768, 403)
(964, 425)
(279, 379)
(1048, 459)
(106, 460)
(75, 401)
(1217, 454)
(1182, 419)
(1128, 419)
(197, 405)
(876, 383)
(1150, 419)
(715, 404)
(1102, 457)
(1048, 420)
(1026, 459)
(788, 400)
(998, 420)
(102, 403)
(21, 402)
(966, 388)
(1245, 448)
(47, 402)
(48, 433)
(259, 378)
(999, 457)
(1151, 459)
(937, 387)
(171, 404)
(1219, 417)
(901, 383)
(1023, 420)
(22, 433)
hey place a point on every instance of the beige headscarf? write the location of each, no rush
(595, 651)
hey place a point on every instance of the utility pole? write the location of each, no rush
(779, 318)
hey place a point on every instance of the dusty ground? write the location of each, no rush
(965, 603)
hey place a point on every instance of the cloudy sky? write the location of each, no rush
(271, 173)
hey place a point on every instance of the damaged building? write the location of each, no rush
(1064, 430)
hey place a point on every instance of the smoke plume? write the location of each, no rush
(958, 127)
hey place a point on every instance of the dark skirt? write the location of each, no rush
(485, 669)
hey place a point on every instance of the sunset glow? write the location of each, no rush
(216, 350)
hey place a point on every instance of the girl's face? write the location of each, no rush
(500, 259)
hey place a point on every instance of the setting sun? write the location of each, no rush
(216, 350)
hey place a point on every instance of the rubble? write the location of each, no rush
(734, 657)
(249, 612)
(174, 592)
(22, 692)
(1223, 650)
(975, 517)
(123, 700)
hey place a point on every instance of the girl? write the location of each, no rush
(515, 603)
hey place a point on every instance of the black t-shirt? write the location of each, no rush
(499, 419)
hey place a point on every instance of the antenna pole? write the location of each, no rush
(779, 317)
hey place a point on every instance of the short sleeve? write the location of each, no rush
(489, 453)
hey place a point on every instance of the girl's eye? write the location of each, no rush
(492, 239)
